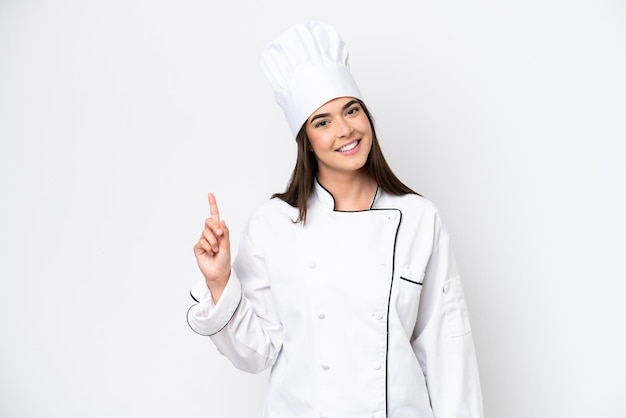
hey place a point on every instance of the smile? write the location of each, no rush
(349, 147)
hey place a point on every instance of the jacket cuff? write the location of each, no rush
(208, 318)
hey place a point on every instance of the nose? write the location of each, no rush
(344, 128)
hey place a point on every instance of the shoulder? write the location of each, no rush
(410, 203)
(269, 222)
(271, 212)
(418, 213)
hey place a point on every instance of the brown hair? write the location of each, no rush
(302, 179)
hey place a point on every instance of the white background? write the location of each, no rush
(117, 117)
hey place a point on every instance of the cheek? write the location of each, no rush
(320, 142)
(367, 132)
(367, 149)
(364, 126)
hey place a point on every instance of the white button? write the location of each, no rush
(312, 264)
(325, 367)
(375, 365)
(320, 315)
(378, 315)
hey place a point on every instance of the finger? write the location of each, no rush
(215, 213)
(225, 231)
(214, 226)
(224, 238)
(211, 239)
(207, 247)
(202, 247)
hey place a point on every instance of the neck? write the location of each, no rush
(351, 193)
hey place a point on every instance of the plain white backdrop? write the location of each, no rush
(117, 117)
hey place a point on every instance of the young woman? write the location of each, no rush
(345, 284)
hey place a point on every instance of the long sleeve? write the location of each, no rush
(243, 324)
(443, 340)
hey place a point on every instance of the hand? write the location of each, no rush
(213, 251)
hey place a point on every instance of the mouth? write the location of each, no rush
(349, 147)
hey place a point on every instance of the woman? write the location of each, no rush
(345, 284)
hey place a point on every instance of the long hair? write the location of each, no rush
(302, 181)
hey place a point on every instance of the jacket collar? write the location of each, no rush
(322, 197)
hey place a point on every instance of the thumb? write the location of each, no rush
(225, 231)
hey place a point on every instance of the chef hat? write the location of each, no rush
(307, 66)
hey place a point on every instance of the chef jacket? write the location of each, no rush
(358, 314)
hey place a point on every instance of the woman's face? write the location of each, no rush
(341, 136)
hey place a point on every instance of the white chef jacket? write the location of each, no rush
(359, 314)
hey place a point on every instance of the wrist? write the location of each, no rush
(217, 286)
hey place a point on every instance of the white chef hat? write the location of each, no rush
(307, 66)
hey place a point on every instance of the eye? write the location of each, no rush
(321, 124)
(352, 110)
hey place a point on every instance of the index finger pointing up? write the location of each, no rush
(215, 213)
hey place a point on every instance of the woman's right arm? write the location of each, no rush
(212, 251)
(243, 324)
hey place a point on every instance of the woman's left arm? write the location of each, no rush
(443, 340)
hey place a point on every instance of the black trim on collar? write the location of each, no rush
(329, 193)
(349, 211)
(375, 196)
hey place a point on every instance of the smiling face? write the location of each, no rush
(340, 135)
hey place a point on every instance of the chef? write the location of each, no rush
(345, 284)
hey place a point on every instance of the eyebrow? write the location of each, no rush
(324, 115)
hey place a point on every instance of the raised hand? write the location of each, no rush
(213, 251)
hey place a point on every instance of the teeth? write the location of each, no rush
(348, 147)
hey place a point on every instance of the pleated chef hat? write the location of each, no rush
(307, 66)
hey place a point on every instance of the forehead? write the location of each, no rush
(333, 105)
